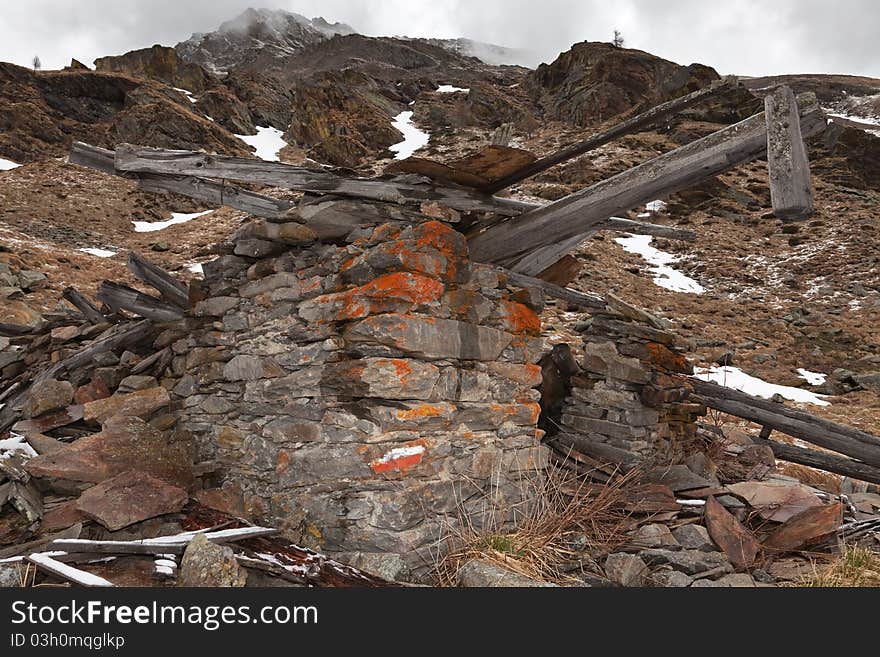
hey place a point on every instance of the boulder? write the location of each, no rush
(206, 564)
(141, 403)
(46, 396)
(628, 570)
(484, 574)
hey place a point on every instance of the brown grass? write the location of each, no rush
(563, 510)
(856, 567)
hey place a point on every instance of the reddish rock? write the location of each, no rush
(141, 403)
(397, 292)
(92, 391)
(126, 443)
(129, 498)
(61, 517)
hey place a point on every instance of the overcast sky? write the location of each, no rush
(747, 37)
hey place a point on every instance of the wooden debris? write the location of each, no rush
(171, 289)
(823, 461)
(553, 230)
(642, 228)
(140, 160)
(626, 127)
(121, 297)
(46, 562)
(86, 307)
(790, 185)
(573, 297)
(830, 435)
(163, 545)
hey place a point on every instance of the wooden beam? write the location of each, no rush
(791, 189)
(201, 189)
(826, 434)
(823, 461)
(626, 127)
(141, 160)
(171, 289)
(86, 307)
(575, 298)
(552, 229)
(121, 297)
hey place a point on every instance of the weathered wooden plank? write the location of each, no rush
(641, 228)
(552, 229)
(817, 431)
(171, 289)
(46, 562)
(623, 128)
(86, 307)
(121, 297)
(175, 544)
(202, 189)
(823, 461)
(791, 189)
(141, 160)
(573, 297)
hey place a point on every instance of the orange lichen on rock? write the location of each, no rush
(422, 411)
(520, 319)
(667, 359)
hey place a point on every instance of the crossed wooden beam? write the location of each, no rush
(525, 238)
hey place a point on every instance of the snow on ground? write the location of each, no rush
(176, 218)
(449, 89)
(101, 253)
(813, 378)
(413, 138)
(196, 268)
(6, 165)
(733, 377)
(15, 444)
(664, 275)
(268, 142)
(656, 207)
(189, 94)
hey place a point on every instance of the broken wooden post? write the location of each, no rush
(790, 186)
(551, 230)
(573, 297)
(121, 297)
(815, 430)
(171, 289)
(822, 461)
(623, 128)
(86, 307)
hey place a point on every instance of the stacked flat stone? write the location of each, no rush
(629, 394)
(364, 396)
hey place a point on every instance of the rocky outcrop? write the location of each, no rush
(342, 118)
(594, 82)
(257, 34)
(159, 63)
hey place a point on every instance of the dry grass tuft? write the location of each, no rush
(856, 567)
(566, 516)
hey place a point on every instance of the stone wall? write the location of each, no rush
(363, 396)
(627, 400)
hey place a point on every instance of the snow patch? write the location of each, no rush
(196, 268)
(189, 94)
(733, 377)
(664, 275)
(413, 138)
(268, 142)
(101, 253)
(449, 89)
(656, 207)
(176, 218)
(6, 165)
(16, 444)
(813, 378)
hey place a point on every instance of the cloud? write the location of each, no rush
(749, 37)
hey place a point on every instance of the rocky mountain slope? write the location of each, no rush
(777, 297)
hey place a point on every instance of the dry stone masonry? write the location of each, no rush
(364, 396)
(627, 400)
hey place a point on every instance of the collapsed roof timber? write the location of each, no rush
(517, 242)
